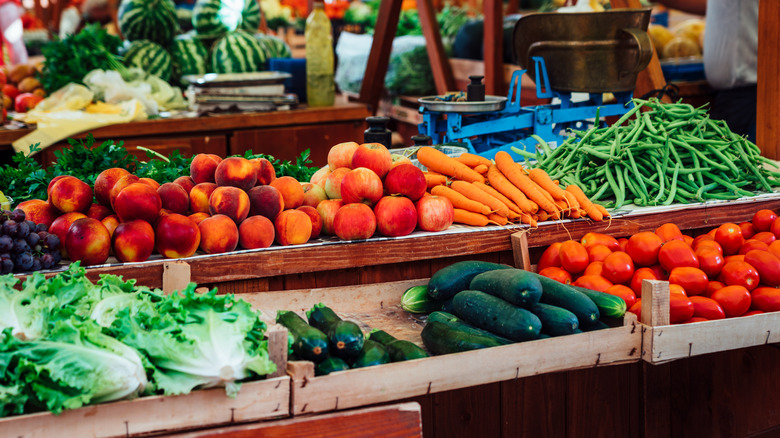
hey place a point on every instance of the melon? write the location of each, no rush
(152, 20)
(237, 52)
(150, 57)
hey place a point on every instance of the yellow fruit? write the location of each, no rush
(681, 47)
(5, 203)
(660, 36)
(692, 29)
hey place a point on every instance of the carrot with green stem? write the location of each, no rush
(502, 184)
(460, 201)
(439, 162)
(512, 172)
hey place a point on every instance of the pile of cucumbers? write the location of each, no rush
(334, 344)
(487, 304)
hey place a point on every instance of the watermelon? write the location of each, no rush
(153, 20)
(216, 17)
(189, 56)
(273, 46)
(150, 57)
(237, 52)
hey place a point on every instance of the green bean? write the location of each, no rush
(596, 196)
(752, 168)
(634, 190)
(636, 170)
(710, 161)
(621, 120)
(699, 177)
(673, 187)
(648, 124)
(611, 181)
(727, 184)
(725, 159)
(703, 189)
(620, 196)
(597, 154)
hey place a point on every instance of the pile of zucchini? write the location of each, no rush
(487, 304)
(334, 344)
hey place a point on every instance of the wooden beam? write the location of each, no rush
(493, 47)
(379, 57)
(768, 103)
(440, 66)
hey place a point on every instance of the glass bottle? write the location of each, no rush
(320, 87)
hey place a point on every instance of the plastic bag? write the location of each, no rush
(154, 93)
(70, 97)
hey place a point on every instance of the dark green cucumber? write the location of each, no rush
(330, 365)
(400, 350)
(496, 315)
(608, 304)
(446, 306)
(448, 281)
(556, 321)
(373, 353)
(322, 317)
(516, 286)
(309, 343)
(569, 298)
(598, 325)
(439, 338)
(417, 300)
(459, 324)
(346, 337)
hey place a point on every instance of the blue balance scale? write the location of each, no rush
(489, 124)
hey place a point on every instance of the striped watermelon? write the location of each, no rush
(273, 46)
(189, 56)
(215, 17)
(237, 52)
(153, 20)
(150, 57)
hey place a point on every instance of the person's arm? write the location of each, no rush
(697, 7)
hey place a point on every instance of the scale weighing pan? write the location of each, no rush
(592, 52)
(435, 103)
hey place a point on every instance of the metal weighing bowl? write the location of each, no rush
(593, 52)
(491, 103)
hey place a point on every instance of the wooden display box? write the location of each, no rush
(663, 342)
(260, 400)
(378, 306)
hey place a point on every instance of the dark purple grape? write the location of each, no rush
(33, 239)
(41, 228)
(20, 246)
(23, 229)
(10, 228)
(52, 242)
(6, 243)
(6, 265)
(47, 261)
(37, 265)
(17, 215)
(32, 226)
(57, 256)
(23, 262)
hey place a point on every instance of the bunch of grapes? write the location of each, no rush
(25, 246)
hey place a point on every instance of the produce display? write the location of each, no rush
(21, 90)
(66, 342)
(684, 40)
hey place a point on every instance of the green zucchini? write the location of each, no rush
(448, 281)
(457, 323)
(417, 300)
(608, 304)
(330, 365)
(439, 338)
(569, 298)
(373, 353)
(309, 343)
(516, 286)
(496, 315)
(346, 337)
(556, 321)
(400, 350)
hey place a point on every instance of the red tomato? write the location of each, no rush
(711, 233)
(677, 289)
(695, 319)
(680, 308)
(766, 299)
(747, 229)
(753, 312)
(762, 219)
(753, 244)
(593, 282)
(707, 244)
(738, 273)
(765, 236)
(659, 272)
(688, 239)
(550, 257)
(574, 256)
(710, 260)
(594, 268)
(643, 248)
(557, 274)
(712, 286)
(597, 253)
(735, 300)
(730, 238)
(693, 280)
(675, 254)
(636, 309)
(26, 101)
(622, 242)
(707, 308)
(767, 265)
(669, 231)
(734, 258)
(639, 275)
(591, 239)
(618, 267)
(624, 292)
(701, 238)
(775, 227)
(774, 248)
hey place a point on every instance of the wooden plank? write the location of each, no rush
(255, 401)
(277, 348)
(532, 406)
(768, 89)
(655, 302)
(400, 420)
(442, 73)
(471, 412)
(176, 276)
(379, 57)
(520, 250)
(656, 400)
(493, 47)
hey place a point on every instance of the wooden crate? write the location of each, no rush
(378, 306)
(260, 400)
(662, 342)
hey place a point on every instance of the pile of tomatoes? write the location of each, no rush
(733, 270)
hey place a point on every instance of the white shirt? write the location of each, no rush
(731, 43)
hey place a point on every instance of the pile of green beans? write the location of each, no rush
(666, 153)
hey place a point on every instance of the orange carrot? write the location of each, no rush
(503, 185)
(513, 208)
(439, 162)
(512, 172)
(562, 205)
(460, 201)
(498, 219)
(481, 169)
(590, 208)
(602, 209)
(470, 191)
(470, 218)
(435, 180)
(431, 172)
(543, 215)
(473, 160)
(541, 177)
(571, 200)
(530, 220)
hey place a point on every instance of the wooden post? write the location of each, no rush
(655, 303)
(493, 47)
(277, 349)
(768, 99)
(520, 250)
(379, 57)
(176, 276)
(440, 66)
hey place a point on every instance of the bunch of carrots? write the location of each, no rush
(484, 192)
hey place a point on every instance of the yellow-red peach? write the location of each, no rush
(291, 190)
(197, 217)
(138, 201)
(105, 181)
(150, 182)
(39, 211)
(265, 201)
(111, 222)
(120, 185)
(99, 211)
(320, 176)
(70, 194)
(174, 198)
(256, 232)
(218, 234)
(293, 227)
(313, 194)
(236, 172)
(316, 220)
(186, 182)
(88, 241)
(51, 183)
(203, 167)
(333, 182)
(59, 227)
(176, 236)
(340, 155)
(199, 197)
(327, 210)
(230, 201)
(133, 241)
(265, 171)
